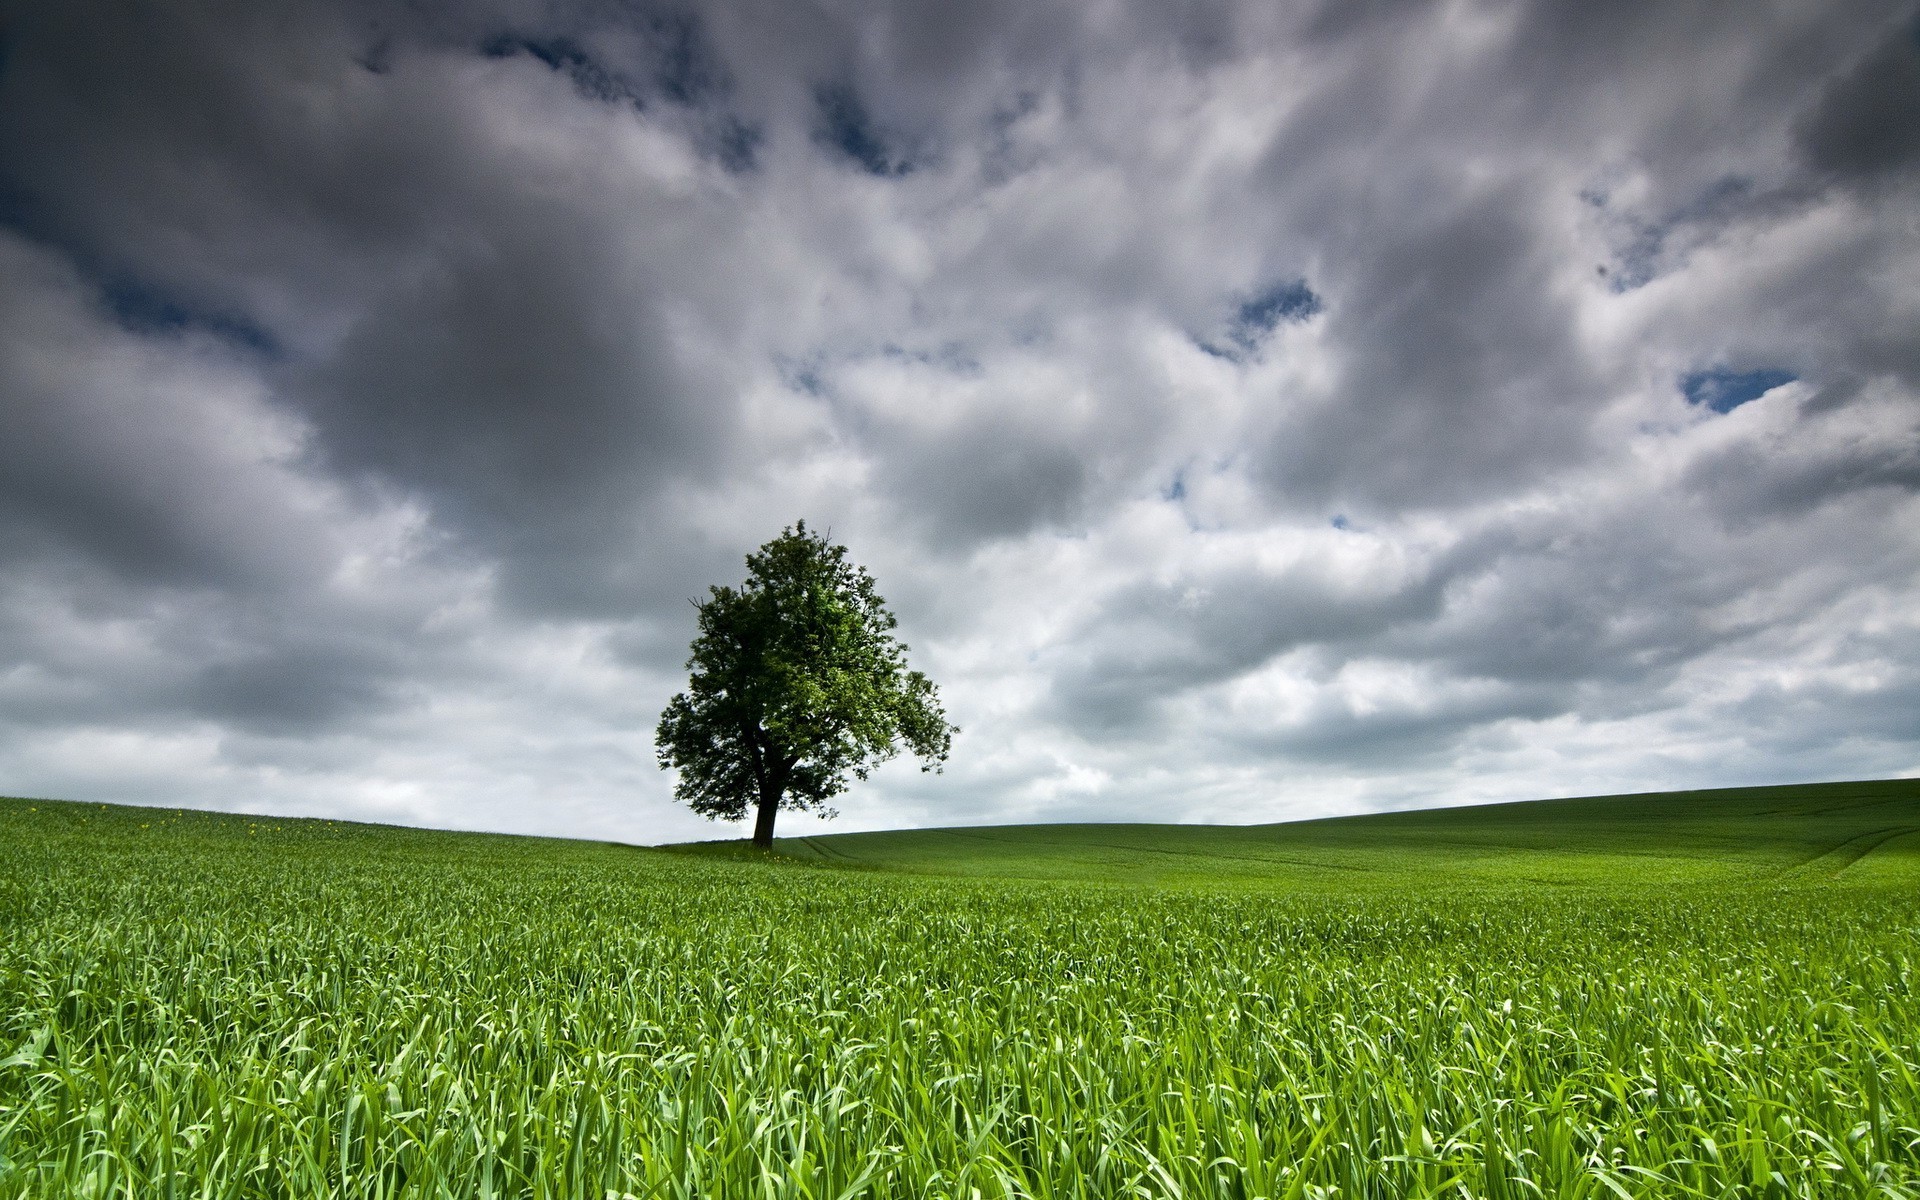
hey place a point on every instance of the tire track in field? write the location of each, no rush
(1850, 851)
(1858, 857)
(829, 853)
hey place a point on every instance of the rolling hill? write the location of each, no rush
(1858, 831)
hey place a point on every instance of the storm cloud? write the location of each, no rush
(1251, 411)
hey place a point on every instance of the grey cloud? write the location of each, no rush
(1648, 246)
(298, 689)
(1747, 487)
(1600, 616)
(115, 452)
(923, 69)
(1858, 714)
(1832, 394)
(1458, 370)
(566, 56)
(1608, 73)
(534, 399)
(1447, 298)
(989, 481)
(381, 381)
(664, 56)
(1863, 127)
(158, 140)
(92, 651)
(1425, 733)
(846, 126)
(1636, 594)
(458, 325)
(1616, 611)
(1150, 644)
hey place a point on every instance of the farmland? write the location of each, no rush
(1714, 994)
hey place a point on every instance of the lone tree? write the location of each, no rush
(797, 683)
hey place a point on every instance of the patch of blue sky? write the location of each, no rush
(135, 304)
(733, 143)
(952, 356)
(689, 72)
(1723, 389)
(1287, 302)
(142, 308)
(846, 125)
(685, 71)
(591, 78)
(804, 375)
(1648, 249)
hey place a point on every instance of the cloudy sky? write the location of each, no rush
(1252, 411)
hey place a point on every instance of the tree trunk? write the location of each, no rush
(763, 824)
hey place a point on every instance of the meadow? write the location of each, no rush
(1715, 994)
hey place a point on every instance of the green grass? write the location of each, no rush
(1728, 836)
(1705, 995)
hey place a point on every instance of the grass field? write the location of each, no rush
(1731, 836)
(1714, 994)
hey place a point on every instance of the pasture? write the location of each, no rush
(1715, 994)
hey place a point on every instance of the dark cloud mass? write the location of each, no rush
(1252, 411)
(1863, 126)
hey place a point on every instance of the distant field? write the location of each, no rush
(1742, 835)
(1712, 994)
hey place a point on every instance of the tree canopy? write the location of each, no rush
(796, 685)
